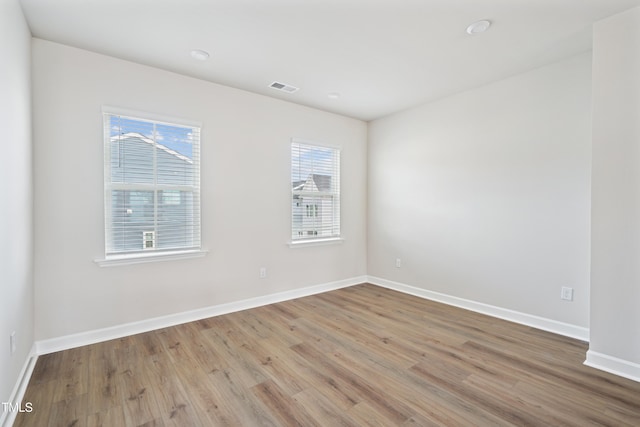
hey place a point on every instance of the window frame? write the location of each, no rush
(146, 254)
(312, 207)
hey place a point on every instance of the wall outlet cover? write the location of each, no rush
(566, 293)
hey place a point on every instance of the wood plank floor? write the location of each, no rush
(360, 356)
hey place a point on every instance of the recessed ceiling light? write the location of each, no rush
(478, 27)
(200, 55)
(333, 95)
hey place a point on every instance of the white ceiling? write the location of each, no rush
(382, 56)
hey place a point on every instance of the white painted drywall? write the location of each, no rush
(615, 228)
(16, 195)
(245, 194)
(485, 195)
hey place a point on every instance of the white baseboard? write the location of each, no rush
(17, 394)
(613, 365)
(91, 337)
(597, 360)
(549, 325)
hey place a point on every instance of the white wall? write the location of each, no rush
(615, 263)
(16, 250)
(245, 194)
(485, 195)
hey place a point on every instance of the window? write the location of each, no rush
(315, 192)
(152, 186)
(312, 210)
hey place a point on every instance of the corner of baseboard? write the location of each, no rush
(613, 365)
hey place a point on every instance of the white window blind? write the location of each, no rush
(315, 192)
(152, 185)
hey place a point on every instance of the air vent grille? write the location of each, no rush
(283, 87)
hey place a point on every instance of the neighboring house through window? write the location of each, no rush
(315, 191)
(152, 185)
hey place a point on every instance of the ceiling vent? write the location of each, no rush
(283, 87)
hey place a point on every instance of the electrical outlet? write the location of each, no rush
(566, 293)
(398, 263)
(263, 272)
(12, 342)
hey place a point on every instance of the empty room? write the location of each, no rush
(320, 212)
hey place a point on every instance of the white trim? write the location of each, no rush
(139, 258)
(313, 143)
(17, 394)
(145, 115)
(315, 242)
(613, 365)
(537, 322)
(127, 329)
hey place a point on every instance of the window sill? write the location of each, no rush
(315, 242)
(130, 259)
